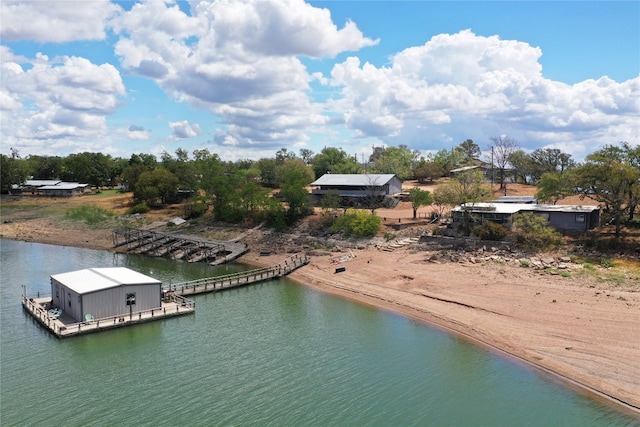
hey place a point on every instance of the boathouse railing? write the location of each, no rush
(40, 313)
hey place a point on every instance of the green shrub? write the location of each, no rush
(195, 210)
(89, 214)
(140, 208)
(357, 223)
(490, 231)
(533, 232)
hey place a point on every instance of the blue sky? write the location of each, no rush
(245, 78)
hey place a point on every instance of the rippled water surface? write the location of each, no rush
(272, 354)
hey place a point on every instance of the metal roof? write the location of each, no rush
(97, 279)
(41, 182)
(64, 186)
(512, 208)
(353, 179)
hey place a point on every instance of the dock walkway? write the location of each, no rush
(217, 283)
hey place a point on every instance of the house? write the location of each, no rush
(63, 189)
(52, 188)
(560, 217)
(357, 186)
(104, 292)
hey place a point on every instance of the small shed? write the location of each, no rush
(104, 292)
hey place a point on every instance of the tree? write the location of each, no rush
(306, 155)
(470, 151)
(267, 169)
(448, 159)
(545, 160)
(467, 189)
(522, 165)
(418, 198)
(428, 170)
(282, 155)
(611, 176)
(553, 186)
(501, 150)
(138, 163)
(12, 171)
(181, 167)
(399, 160)
(333, 160)
(157, 184)
(294, 176)
(45, 167)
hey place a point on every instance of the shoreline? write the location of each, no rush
(585, 335)
(598, 370)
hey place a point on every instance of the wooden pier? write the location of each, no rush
(218, 283)
(175, 246)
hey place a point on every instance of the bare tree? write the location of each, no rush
(501, 150)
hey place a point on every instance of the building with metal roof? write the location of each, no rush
(104, 292)
(355, 186)
(561, 217)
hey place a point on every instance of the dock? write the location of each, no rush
(228, 281)
(176, 246)
(64, 326)
(174, 303)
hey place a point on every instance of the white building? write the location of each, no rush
(104, 292)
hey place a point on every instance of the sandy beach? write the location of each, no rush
(581, 329)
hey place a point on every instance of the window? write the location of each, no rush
(580, 218)
(544, 215)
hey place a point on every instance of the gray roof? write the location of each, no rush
(353, 179)
(96, 279)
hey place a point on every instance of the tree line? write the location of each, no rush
(273, 189)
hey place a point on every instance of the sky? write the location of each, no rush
(244, 79)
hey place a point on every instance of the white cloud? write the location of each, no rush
(183, 129)
(55, 21)
(237, 60)
(64, 99)
(468, 86)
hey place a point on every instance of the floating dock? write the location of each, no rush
(173, 301)
(175, 246)
(64, 326)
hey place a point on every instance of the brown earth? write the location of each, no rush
(581, 323)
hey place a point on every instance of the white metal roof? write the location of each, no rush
(512, 208)
(96, 279)
(41, 182)
(353, 179)
(64, 186)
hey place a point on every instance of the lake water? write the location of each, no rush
(271, 354)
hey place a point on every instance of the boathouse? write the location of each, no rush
(104, 292)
